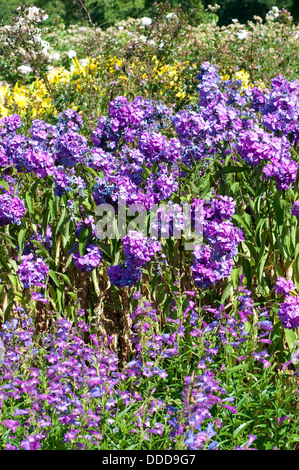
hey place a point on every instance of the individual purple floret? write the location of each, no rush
(32, 272)
(90, 260)
(289, 312)
(283, 286)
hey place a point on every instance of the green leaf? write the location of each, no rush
(290, 337)
(242, 222)
(54, 278)
(21, 237)
(29, 201)
(4, 185)
(83, 239)
(234, 169)
(60, 221)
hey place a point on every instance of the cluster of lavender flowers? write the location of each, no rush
(71, 380)
(92, 256)
(32, 271)
(227, 120)
(126, 143)
(289, 308)
(138, 251)
(213, 259)
(12, 208)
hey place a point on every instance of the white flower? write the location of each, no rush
(54, 56)
(272, 14)
(83, 62)
(143, 38)
(36, 14)
(170, 15)
(45, 44)
(242, 34)
(24, 69)
(146, 21)
(71, 53)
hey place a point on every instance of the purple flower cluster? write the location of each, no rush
(138, 251)
(127, 120)
(283, 286)
(10, 124)
(213, 260)
(124, 275)
(289, 312)
(12, 209)
(257, 146)
(226, 120)
(281, 111)
(90, 260)
(295, 209)
(32, 271)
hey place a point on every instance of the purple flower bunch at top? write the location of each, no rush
(156, 148)
(71, 148)
(126, 121)
(256, 146)
(281, 112)
(209, 86)
(139, 249)
(30, 157)
(12, 209)
(289, 312)
(32, 271)
(90, 260)
(43, 133)
(216, 120)
(283, 286)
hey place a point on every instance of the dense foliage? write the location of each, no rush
(106, 12)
